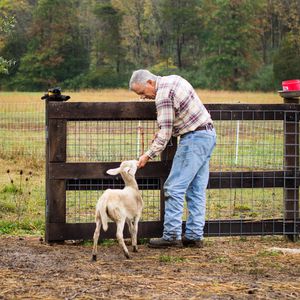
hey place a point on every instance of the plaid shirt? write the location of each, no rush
(179, 110)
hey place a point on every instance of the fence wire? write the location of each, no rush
(103, 141)
(242, 145)
(82, 196)
(22, 130)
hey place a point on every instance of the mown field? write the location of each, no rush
(22, 148)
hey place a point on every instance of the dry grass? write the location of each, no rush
(126, 95)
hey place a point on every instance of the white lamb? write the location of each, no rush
(120, 206)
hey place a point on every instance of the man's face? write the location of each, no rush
(145, 91)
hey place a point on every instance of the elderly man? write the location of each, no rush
(181, 113)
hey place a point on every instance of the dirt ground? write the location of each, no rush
(227, 268)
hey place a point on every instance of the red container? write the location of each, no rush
(291, 85)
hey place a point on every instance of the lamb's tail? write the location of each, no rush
(103, 213)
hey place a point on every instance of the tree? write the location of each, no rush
(181, 29)
(107, 42)
(287, 59)
(6, 26)
(56, 51)
(232, 39)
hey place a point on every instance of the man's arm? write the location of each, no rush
(165, 119)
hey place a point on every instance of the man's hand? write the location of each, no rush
(143, 160)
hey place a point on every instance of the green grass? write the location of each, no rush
(22, 203)
(267, 253)
(164, 258)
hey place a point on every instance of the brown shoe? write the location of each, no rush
(192, 243)
(162, 243)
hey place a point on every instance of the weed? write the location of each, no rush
(26, 226)
(171, 259)
(143, 241)
(108, 242)
(266, 253)
(220, 259)
(87, 243)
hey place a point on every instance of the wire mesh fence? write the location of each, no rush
(82, 196)
(102, 141)
(22, 130)
(243, 145)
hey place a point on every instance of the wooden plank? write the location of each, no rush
(103, 110)
(169, 152)
(291, 159)
(85, 231)
(146, 111)
(60, 232)
(291, 163)
(57, 136)
(56, 209)
(255, 179)
(217, 180)
(254, 107)
(98, 170)
(103, 184)
(248, 227)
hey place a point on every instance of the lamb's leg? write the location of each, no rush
(130, 228)
(96, 237)
(120, 228)
(134, 234)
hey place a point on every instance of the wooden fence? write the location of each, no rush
(63, 176)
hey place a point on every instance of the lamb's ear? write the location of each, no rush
(113, 171)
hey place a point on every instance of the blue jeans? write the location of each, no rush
(188, 177)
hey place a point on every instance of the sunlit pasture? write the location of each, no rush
(125, 95)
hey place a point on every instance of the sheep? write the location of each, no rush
(120, 206)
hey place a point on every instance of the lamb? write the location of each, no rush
(120, 206)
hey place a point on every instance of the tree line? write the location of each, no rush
(215, 44)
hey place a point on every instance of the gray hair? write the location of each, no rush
(141, 77)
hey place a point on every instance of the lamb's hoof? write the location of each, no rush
(127, 255)
(94, 258)
(135, 249)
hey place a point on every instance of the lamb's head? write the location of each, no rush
(126, 167)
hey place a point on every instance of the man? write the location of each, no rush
(179, 113)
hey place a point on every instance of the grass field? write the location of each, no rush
(125, 95)
(22, 144)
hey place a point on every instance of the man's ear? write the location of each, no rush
(151, 82)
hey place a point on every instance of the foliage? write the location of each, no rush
(181, 29)
(98, 78)
(263, 80)
(215, 44)
(55, 51)
(286, 60)
(230, 49)
(6, 26)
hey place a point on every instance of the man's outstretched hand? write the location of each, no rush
(143, 160)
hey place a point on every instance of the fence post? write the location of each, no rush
(56, 132)
(291, 165)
